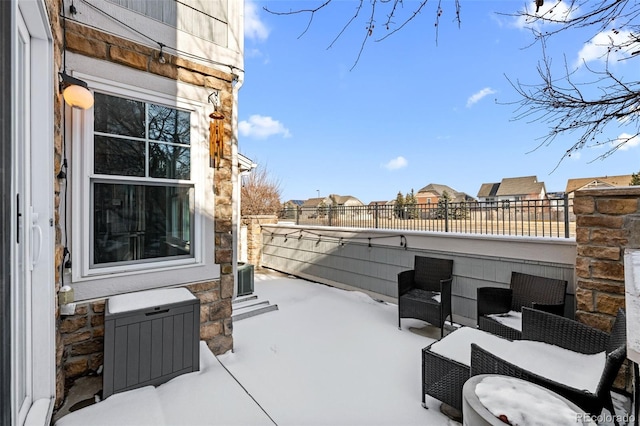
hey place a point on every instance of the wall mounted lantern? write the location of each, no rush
(75, 92)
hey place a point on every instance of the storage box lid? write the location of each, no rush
(148, 299)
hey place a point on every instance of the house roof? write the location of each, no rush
(295, 202)
(343, 199)
(313, 202)
(331, 199)
(488, 190)
(556, 194)
(439, 189)
(591, 182)
(245, 163)
(463, 196)
(519, 186)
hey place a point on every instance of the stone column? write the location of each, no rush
(254, 236)
(607, 223)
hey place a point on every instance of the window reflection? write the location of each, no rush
(134, 222)
(168, 161)
(119, 116)
(118, 156)
(169, 125)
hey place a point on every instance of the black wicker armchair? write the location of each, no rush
(419, 288)
(546, 294)
(572, 335)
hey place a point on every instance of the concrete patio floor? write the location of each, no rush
(326, 357)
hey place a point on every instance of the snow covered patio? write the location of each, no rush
(326, 357)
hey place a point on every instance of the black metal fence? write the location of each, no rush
(534, 218)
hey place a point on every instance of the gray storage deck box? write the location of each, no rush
(150, 337)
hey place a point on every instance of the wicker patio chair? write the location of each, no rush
(568, 334)
(419, 288)
(547, 294)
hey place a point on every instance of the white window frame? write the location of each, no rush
(157, 272)
(90, 268)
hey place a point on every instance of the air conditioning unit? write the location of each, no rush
(245, 279)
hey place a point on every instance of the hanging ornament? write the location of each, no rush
(216, 133)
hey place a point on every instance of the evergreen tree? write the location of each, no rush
(399, 207)
(443, 202)
(411, 204)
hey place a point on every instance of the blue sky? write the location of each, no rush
(412, 111)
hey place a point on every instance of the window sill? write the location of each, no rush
(110, 284)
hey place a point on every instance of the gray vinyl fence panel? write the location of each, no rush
(373, 267)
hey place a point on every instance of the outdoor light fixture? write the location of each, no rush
(161, 57)
(75, 92)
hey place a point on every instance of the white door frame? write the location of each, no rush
(33, 128)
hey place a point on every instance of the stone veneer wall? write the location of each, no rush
(254, 236)
(607, 223)
(79, 338)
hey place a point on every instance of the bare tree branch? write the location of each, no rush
(311, 13)
(260, 193)
(376, 8)
(591, 109)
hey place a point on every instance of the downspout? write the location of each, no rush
(235, 178)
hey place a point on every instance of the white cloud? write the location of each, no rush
(476, 97)
(257, 54)
(396, 163)
(254, 28)
(261, 127)
(597, 49)
(628, 141)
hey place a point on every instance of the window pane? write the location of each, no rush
(135, 222)
(118, 156)
(169, 161)
(169, 125)
(119, 116)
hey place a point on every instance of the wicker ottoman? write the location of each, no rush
(443, 375)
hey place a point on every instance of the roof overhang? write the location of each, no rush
(245, 163)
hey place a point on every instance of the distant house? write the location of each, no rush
(345, 201)
(380, 204)
(488, 192)
(513, 189)
(433, 192)
(315, 202)
(318, 207)
(293, 203)
(556, 199)
(381, 208)
(290, 207)
(558, 194)
(596, 182)
(315, 207)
